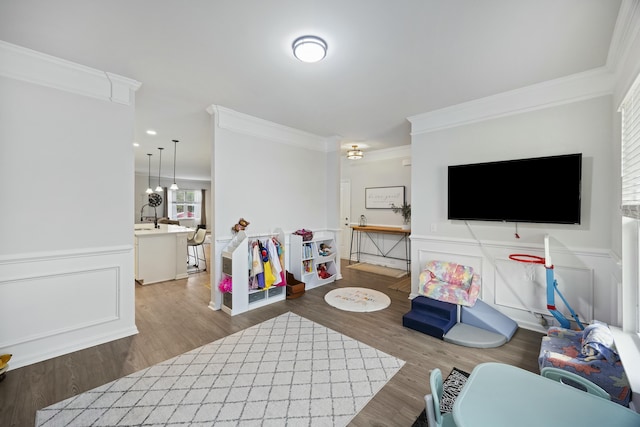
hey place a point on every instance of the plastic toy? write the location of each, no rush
(324, 250)
(552, 285)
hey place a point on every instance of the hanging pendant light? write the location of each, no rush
(174, 186)
(149, 190)
(159, 188)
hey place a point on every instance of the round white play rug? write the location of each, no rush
(357, 299)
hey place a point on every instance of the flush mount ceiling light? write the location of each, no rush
(354, 154)
(309, 48)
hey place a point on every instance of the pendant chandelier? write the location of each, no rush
(354, 154)
(174, 186)
(149, 190)
(159, 188)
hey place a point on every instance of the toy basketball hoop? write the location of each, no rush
(552, 284)
(530, 262)
(532, 259)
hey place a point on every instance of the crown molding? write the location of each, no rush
(574, 88)
(625, 31)
(577, 87)
(19, 63)
(226, 118)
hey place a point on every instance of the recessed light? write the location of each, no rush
(152, 132)
(135, 144)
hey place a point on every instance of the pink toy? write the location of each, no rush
(225, 284)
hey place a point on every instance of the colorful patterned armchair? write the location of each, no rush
(450, 282)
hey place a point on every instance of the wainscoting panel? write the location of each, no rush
(584, 277)
(56, 303)
(524, 286)
(50, 310)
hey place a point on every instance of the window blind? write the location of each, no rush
(630, 109)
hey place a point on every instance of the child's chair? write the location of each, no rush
(434, 416)
(573, 380)
(450, 282)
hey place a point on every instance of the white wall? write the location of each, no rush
(272, 176)
(582, 127)
(380, 168)
(66, 252)
(580, 252)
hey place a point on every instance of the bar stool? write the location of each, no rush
(198, 240)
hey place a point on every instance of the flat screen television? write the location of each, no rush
(538, 190)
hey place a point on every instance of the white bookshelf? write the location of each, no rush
(307, 257)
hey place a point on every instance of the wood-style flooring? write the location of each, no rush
(173, 317)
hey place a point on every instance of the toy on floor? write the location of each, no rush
(4, 365)
(552, 285)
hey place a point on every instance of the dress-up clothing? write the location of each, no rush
(276, 268)
(257, 270)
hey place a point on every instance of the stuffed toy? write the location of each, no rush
(241, 225)
(322, 272)
(225, 284)
(324, 249)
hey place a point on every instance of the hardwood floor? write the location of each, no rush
(173, 317)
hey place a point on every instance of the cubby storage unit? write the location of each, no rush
(235, 263)
(309, 263)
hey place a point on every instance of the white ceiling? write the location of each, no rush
(387, 60)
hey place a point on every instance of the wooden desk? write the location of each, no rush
(358, 231)
(503, 395)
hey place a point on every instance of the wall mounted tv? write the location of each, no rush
(540, 190)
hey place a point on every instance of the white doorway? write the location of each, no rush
(345, 218)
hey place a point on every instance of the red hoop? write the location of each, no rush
(533, 259)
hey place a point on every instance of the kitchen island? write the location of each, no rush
(160, 253)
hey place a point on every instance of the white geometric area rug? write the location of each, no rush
(285, 371)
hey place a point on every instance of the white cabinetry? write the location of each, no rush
(314, 262)
(160, 253)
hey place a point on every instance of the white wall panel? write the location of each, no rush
(56, 302)
(66, 252)
(524, 286)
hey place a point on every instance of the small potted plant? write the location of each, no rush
(405, 211)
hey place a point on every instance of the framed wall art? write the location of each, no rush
(383, 197)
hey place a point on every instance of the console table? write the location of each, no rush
(358, 232)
